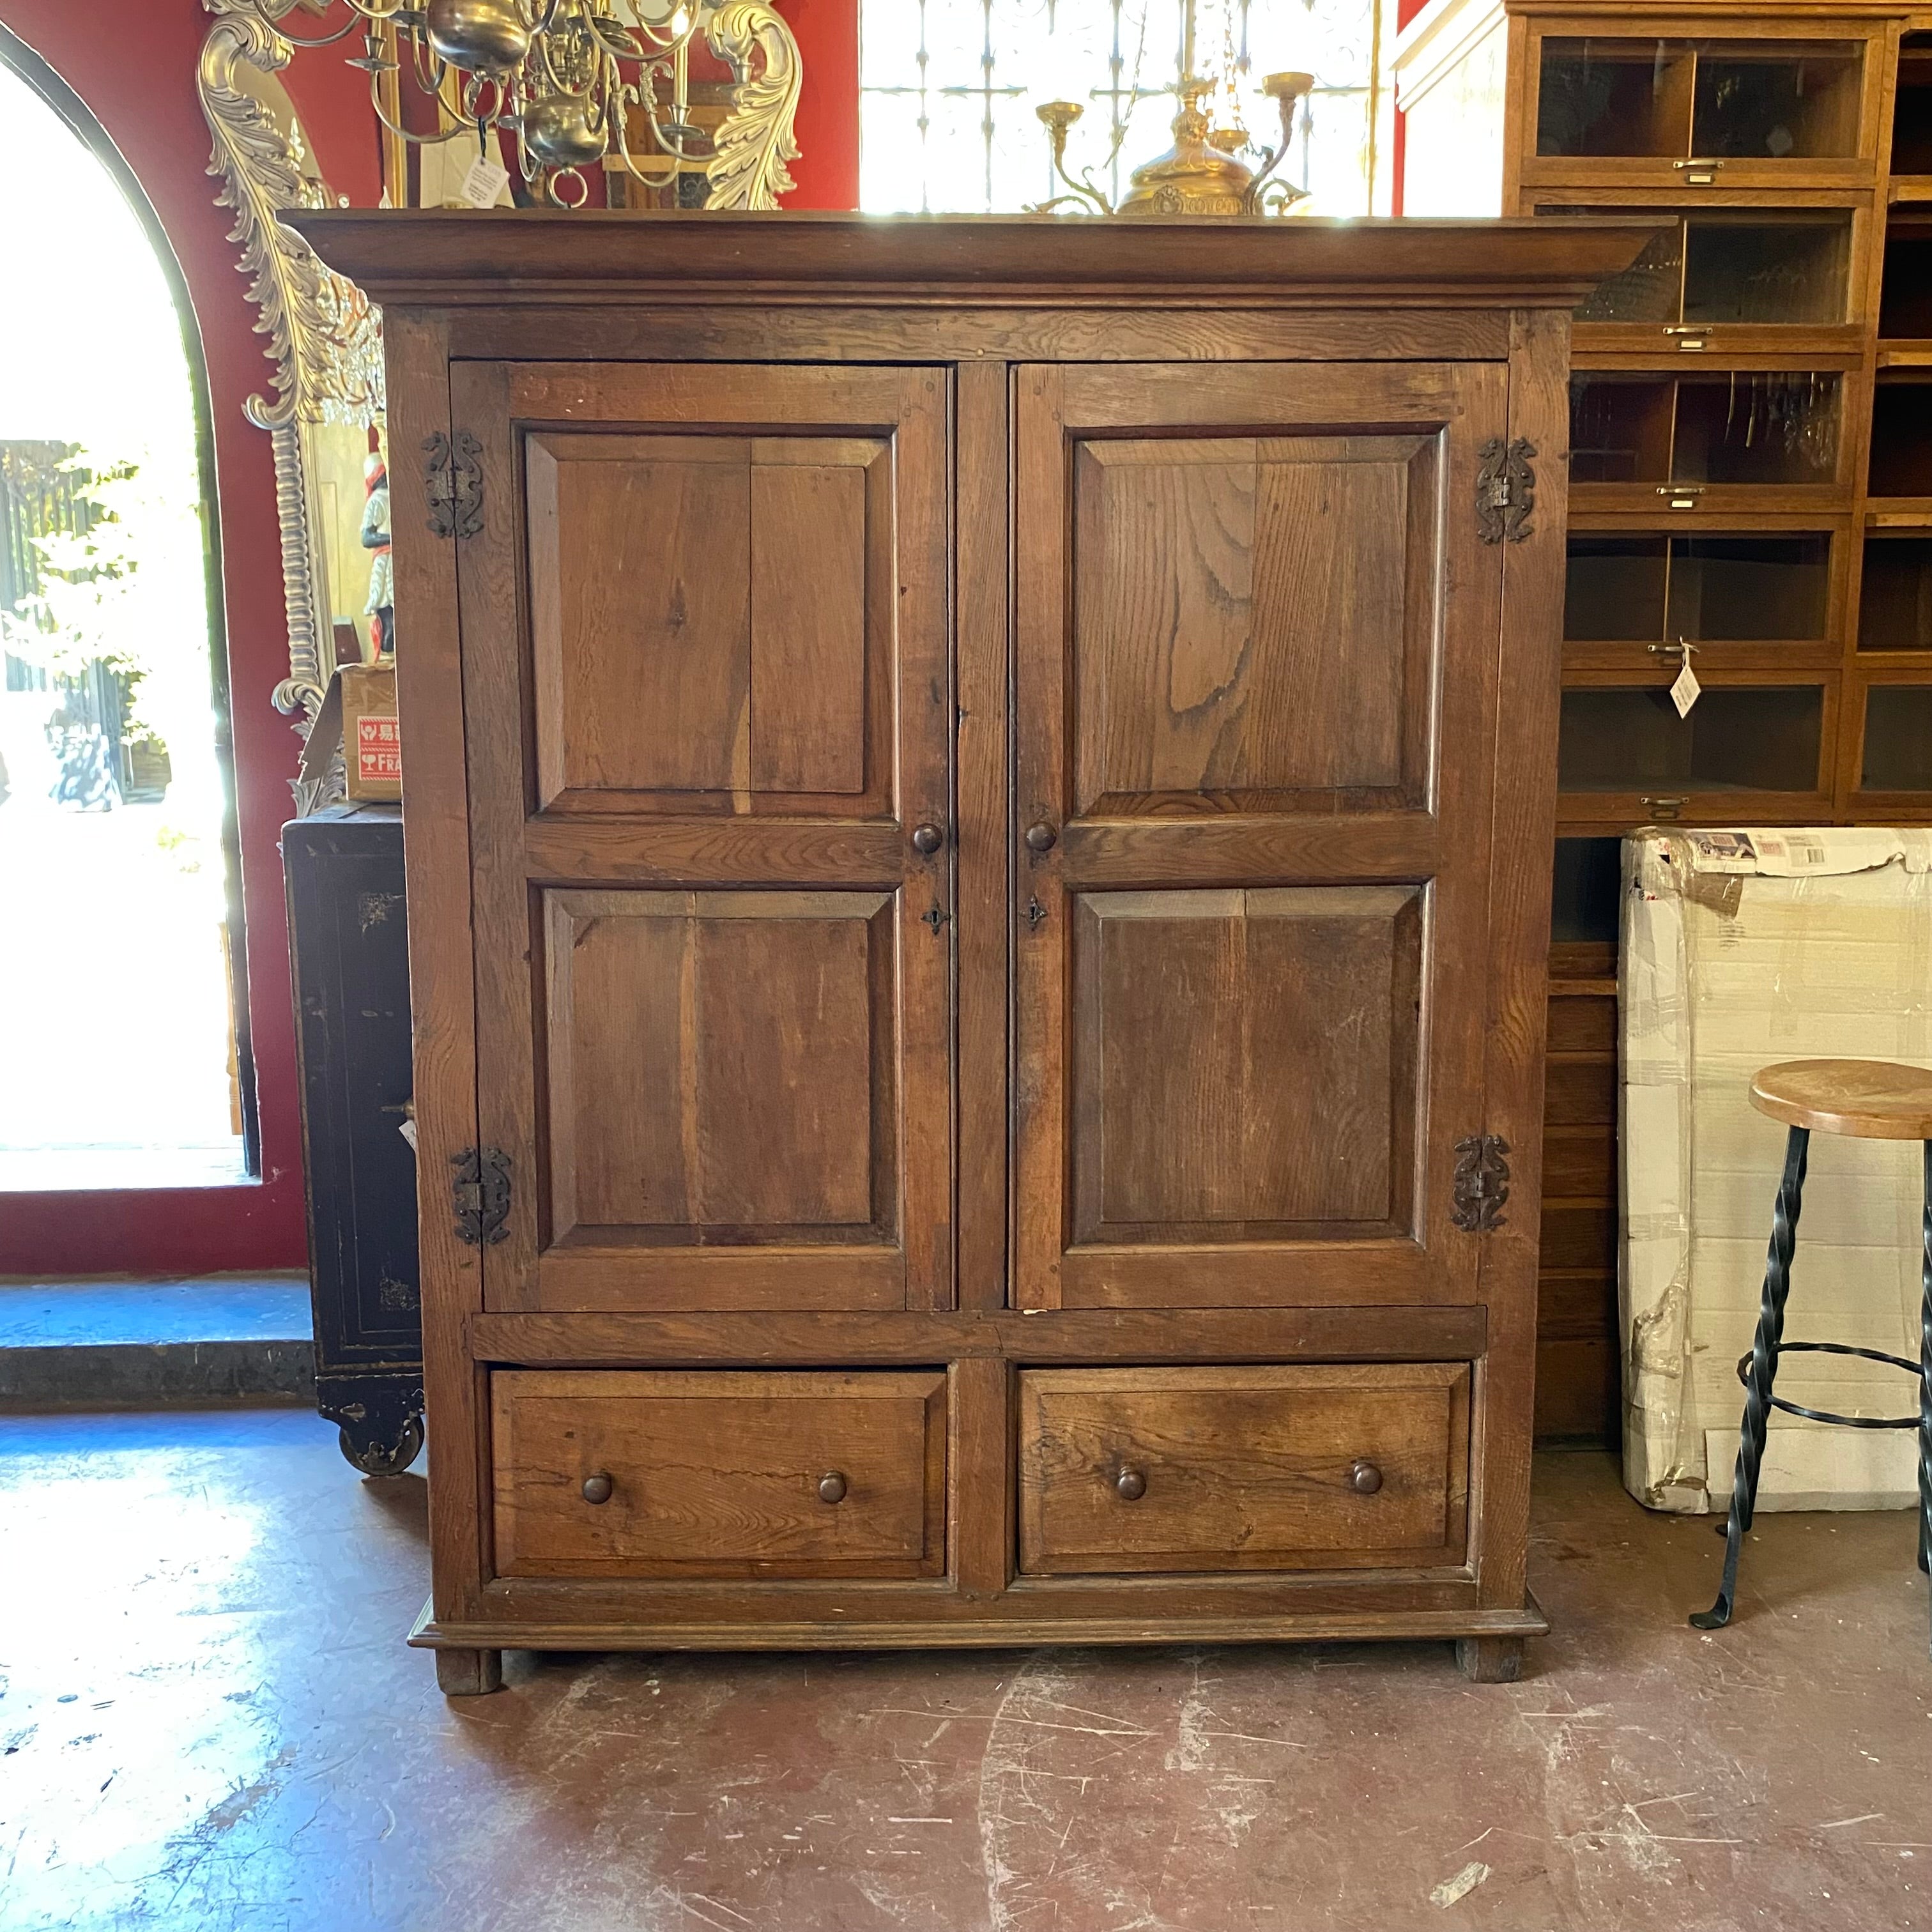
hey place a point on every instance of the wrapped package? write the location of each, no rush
(1740, 949)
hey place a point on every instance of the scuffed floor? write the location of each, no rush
(209, 1721)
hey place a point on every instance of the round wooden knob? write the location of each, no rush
(831, 1487)
(597, 1489)
(1040, 837)
(1130, 1485)
(1364, 1478)
(927, 839)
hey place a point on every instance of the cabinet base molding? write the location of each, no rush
(1470, 1630)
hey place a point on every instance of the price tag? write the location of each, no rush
(1686, 690)
(486, 180)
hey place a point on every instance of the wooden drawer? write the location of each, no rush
(719, 1475)
(1242, 1468)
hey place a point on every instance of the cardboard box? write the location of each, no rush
(372, 748)
(1740, 949)
(357, 720)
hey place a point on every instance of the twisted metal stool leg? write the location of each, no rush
(1763, 1370)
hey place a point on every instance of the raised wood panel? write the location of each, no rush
(1198, 1016)
(699, 610)
(719, 1065)
(719, 1475)
(1250, 617)
(1241, 1469)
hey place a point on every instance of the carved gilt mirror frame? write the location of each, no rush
(324, 344)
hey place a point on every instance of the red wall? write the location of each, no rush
(1405, 11)
(133, 62)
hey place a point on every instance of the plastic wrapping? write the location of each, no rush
(1741, 950)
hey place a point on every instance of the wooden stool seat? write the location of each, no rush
(1868, 1099)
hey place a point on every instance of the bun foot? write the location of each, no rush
(1490, 1660)
(469, 1673)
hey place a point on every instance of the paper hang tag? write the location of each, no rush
(486, 180)
(1686, 690)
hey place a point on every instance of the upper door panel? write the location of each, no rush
(711, 620)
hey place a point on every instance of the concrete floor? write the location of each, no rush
(209, 1721)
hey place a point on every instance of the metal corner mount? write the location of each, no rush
(1481, 1183)
(453, 483)
(324, 342)
(480, 1193)
(1505, 490)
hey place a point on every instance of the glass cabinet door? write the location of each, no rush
(1699, 111)
(1896, 753)
(1719, 267)
(1624, 751)
(1685, 436)
(1895, 601)
(1719, 587)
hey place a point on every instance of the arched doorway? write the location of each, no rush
(122, 1063)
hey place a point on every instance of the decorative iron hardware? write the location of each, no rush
(1035, 913)
(481, 1192)
(935, 918)
(1505, 490)
(453, 482)
(1481, 1183)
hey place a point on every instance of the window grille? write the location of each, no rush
(948, 87)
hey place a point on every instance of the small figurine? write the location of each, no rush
(380, 609)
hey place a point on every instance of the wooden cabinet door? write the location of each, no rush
(707, 704)
(1257, 638)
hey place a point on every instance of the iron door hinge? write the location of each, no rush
(481, 1193)
(1481, 1183)
(453, 483)
(1505, 490)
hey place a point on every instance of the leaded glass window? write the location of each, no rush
(948, 89)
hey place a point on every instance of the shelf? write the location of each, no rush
(1898, 513)
(1904, 190)
(1906, 352)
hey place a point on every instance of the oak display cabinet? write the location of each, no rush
(979, 839)
(1750, 441)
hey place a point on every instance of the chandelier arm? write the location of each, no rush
(1083, 191)
(359, 16)
(619, 127)
(404, 134)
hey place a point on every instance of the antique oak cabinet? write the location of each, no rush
(978, 797)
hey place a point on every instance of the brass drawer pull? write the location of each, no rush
(1040, 838)
(927, 839)
(1364, 1478)
(1130, 1485)
(597, 1488)
(832, 1486)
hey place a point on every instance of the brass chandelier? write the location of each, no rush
(565, 77)
(1202, 173)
